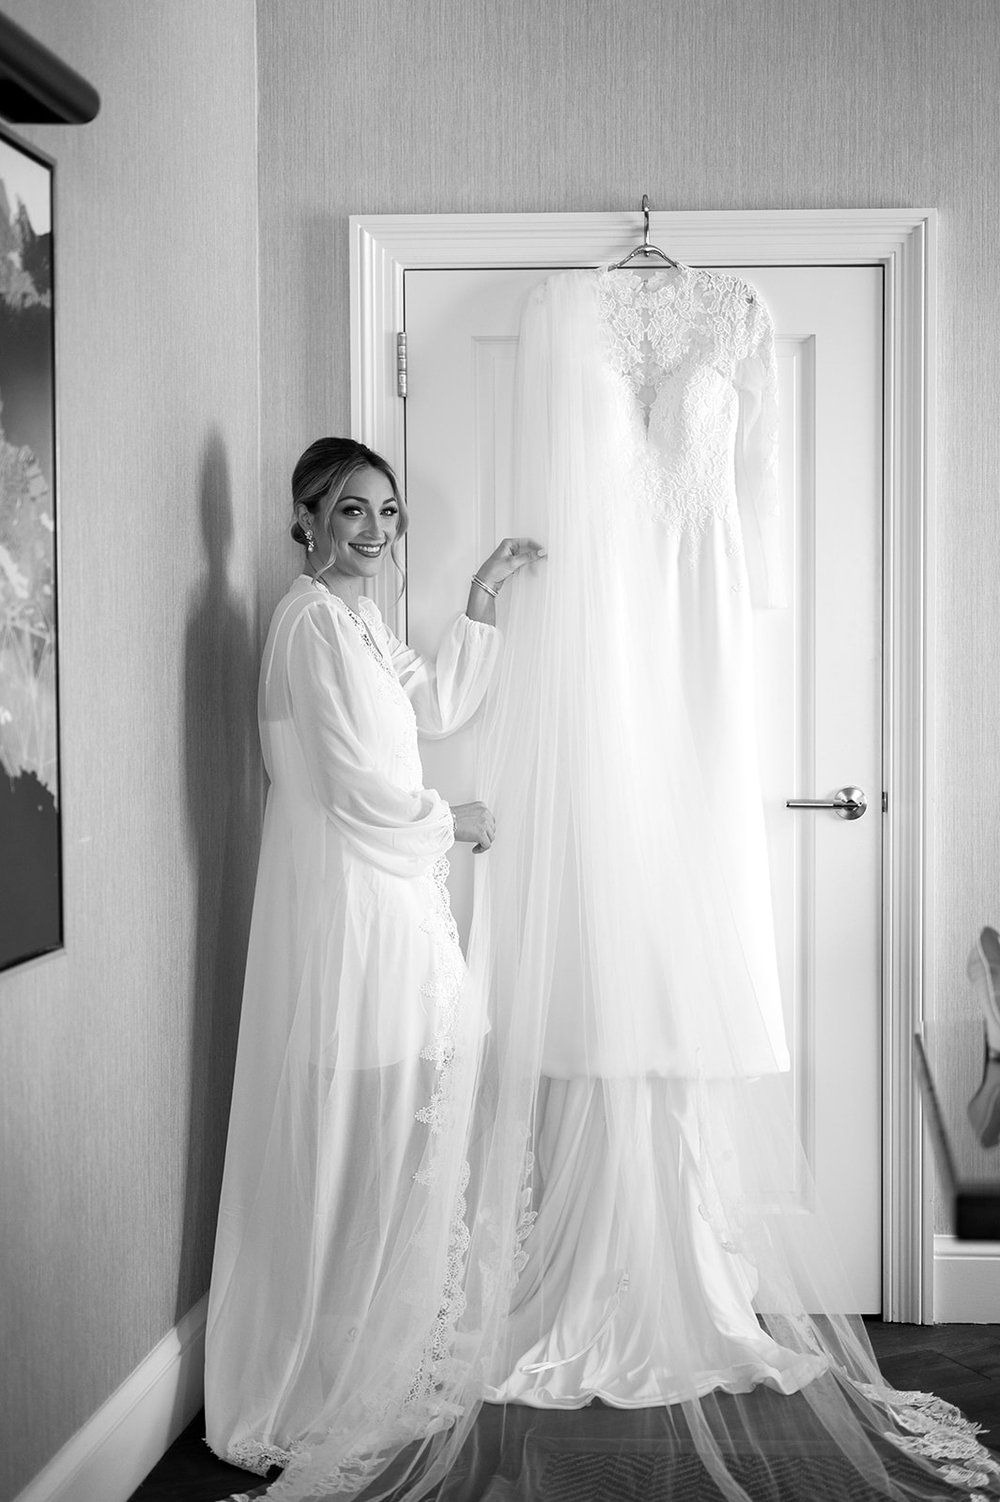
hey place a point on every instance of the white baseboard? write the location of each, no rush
(966, 1281)
(121, 1443)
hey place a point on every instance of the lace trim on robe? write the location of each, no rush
(256, 1456)
(443, 991)
(367, 634)
(423, 1408)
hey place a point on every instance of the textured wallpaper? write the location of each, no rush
(115, 1055)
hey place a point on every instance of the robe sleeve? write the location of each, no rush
(446, 690)
(756, 460)
(401, 832)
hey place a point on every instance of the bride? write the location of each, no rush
(338, 1265)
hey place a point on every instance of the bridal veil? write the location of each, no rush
(619, 1280)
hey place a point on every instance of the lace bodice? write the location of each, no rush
(658, 322)
(693, 352)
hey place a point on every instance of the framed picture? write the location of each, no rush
(31, 919)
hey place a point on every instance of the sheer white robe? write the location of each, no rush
(337, 1266)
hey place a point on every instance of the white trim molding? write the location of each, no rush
(385, 246)
(120, 1444)
(966, 1281)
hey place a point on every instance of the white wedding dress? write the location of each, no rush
(624, 918)
(649, 409)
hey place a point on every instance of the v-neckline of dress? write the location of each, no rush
(643, 295)
(360, 624)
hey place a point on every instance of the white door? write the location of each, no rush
(819, 661)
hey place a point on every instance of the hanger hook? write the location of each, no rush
(645, 221)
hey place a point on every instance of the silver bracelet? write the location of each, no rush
(483, 585)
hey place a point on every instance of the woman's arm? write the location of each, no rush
(512, 554)
(447, 689)
(401, 832)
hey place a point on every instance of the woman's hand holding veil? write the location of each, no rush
(507, 557)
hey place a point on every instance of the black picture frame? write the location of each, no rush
(31, 864)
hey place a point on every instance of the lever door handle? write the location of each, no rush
(847, 803)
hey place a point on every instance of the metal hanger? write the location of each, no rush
(645, 249)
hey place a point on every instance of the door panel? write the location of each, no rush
(819, 662)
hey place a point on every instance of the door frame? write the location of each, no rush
(903, 241)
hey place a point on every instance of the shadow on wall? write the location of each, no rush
(223, 818)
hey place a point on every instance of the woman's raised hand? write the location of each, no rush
(474, 825)
(507, 557)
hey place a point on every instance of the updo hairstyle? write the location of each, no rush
(324, 470)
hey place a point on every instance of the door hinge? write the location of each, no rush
(885, 803)
(401, 365)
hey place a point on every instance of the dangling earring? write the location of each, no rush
(310, 544)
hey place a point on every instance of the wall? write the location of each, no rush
(115, 1055)
(416, 106)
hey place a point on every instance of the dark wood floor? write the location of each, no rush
(958, 1362)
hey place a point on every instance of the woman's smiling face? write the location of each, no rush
(355, 532)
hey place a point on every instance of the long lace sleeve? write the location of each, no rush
(756, 457)
(446, 690)
(401, 832)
